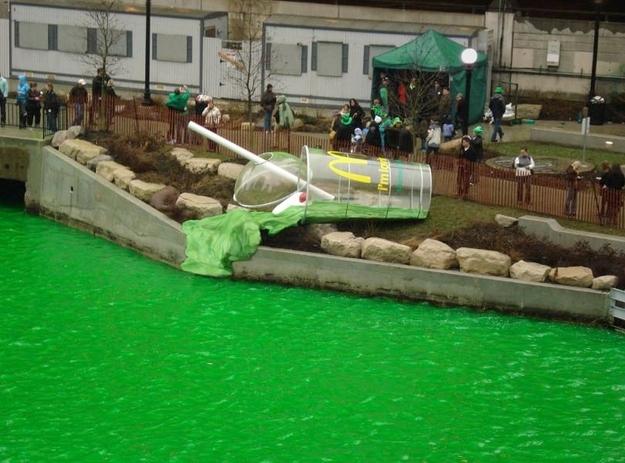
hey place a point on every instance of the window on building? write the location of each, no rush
(71, 39)
(370, 52)
(210, 31)
(120, 42)
(286, 59)
(329, 58)
(31, 35)
(170, 47)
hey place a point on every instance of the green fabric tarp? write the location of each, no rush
(433, 52)
(215, 242)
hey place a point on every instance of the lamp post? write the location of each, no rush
(147, 99)
(468, 57)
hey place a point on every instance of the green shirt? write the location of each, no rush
(178, 101)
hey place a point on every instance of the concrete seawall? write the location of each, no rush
(440, 286)
(61, 188)
(66, 191)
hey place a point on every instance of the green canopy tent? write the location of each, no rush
(433, 52)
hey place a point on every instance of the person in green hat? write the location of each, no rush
(477, 143)
(497, 107)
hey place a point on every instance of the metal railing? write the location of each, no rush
(617, 308)
(35, 118)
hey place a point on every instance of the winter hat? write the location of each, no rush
(396, 121)
(499, 90)
(478, 130)
(346, 119)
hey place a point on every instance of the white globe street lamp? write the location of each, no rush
(468, 58)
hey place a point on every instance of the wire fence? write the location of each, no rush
(544, 194)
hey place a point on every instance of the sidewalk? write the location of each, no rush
(14, 132)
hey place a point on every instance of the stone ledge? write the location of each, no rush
(550, 229)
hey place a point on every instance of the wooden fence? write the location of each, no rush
(543, 194)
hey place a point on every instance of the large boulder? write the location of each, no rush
(92, 164)
(181, 155)
(198, 206)
(81, 150)
(529, 271)
(484, 262)
(165, 200)
(62, 135)
(382, 250)
(200, 166)
(74, 131)
(230, 170)
(144, 190)
(106, 169)
(572, 276)
(58, 138)
(123, 177)
(505, 221)
(434, 254)
(297, 124)
(343, 244)
(605, 282)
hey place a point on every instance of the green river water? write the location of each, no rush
(108, 356)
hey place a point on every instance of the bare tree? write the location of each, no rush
(246, 25)
(421, 101)
(103, 45)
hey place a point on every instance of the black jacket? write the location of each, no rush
(613, 180)
(51, 102)
(469, 154)
(497, 106)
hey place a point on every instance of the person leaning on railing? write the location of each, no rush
(51, 108)
(466, 165)
(523, 170)
(177, 104)
(572, 179)
(78, 98)
(612, 182)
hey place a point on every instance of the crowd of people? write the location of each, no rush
(34, 103)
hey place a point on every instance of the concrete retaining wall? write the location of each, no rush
(14, 156)
(550, 229)
(446, 287)
(576, 139)
(68, 192)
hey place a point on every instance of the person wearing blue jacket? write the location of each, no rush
(22, 96)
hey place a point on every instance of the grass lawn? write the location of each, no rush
(549, 150)
(448, 214)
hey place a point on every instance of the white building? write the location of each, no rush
(327, 61)
(50, 42)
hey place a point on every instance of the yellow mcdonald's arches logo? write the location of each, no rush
(340, 159)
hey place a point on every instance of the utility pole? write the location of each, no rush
(595, 50)
(147, 99)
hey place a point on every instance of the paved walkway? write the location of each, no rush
(29, 133)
